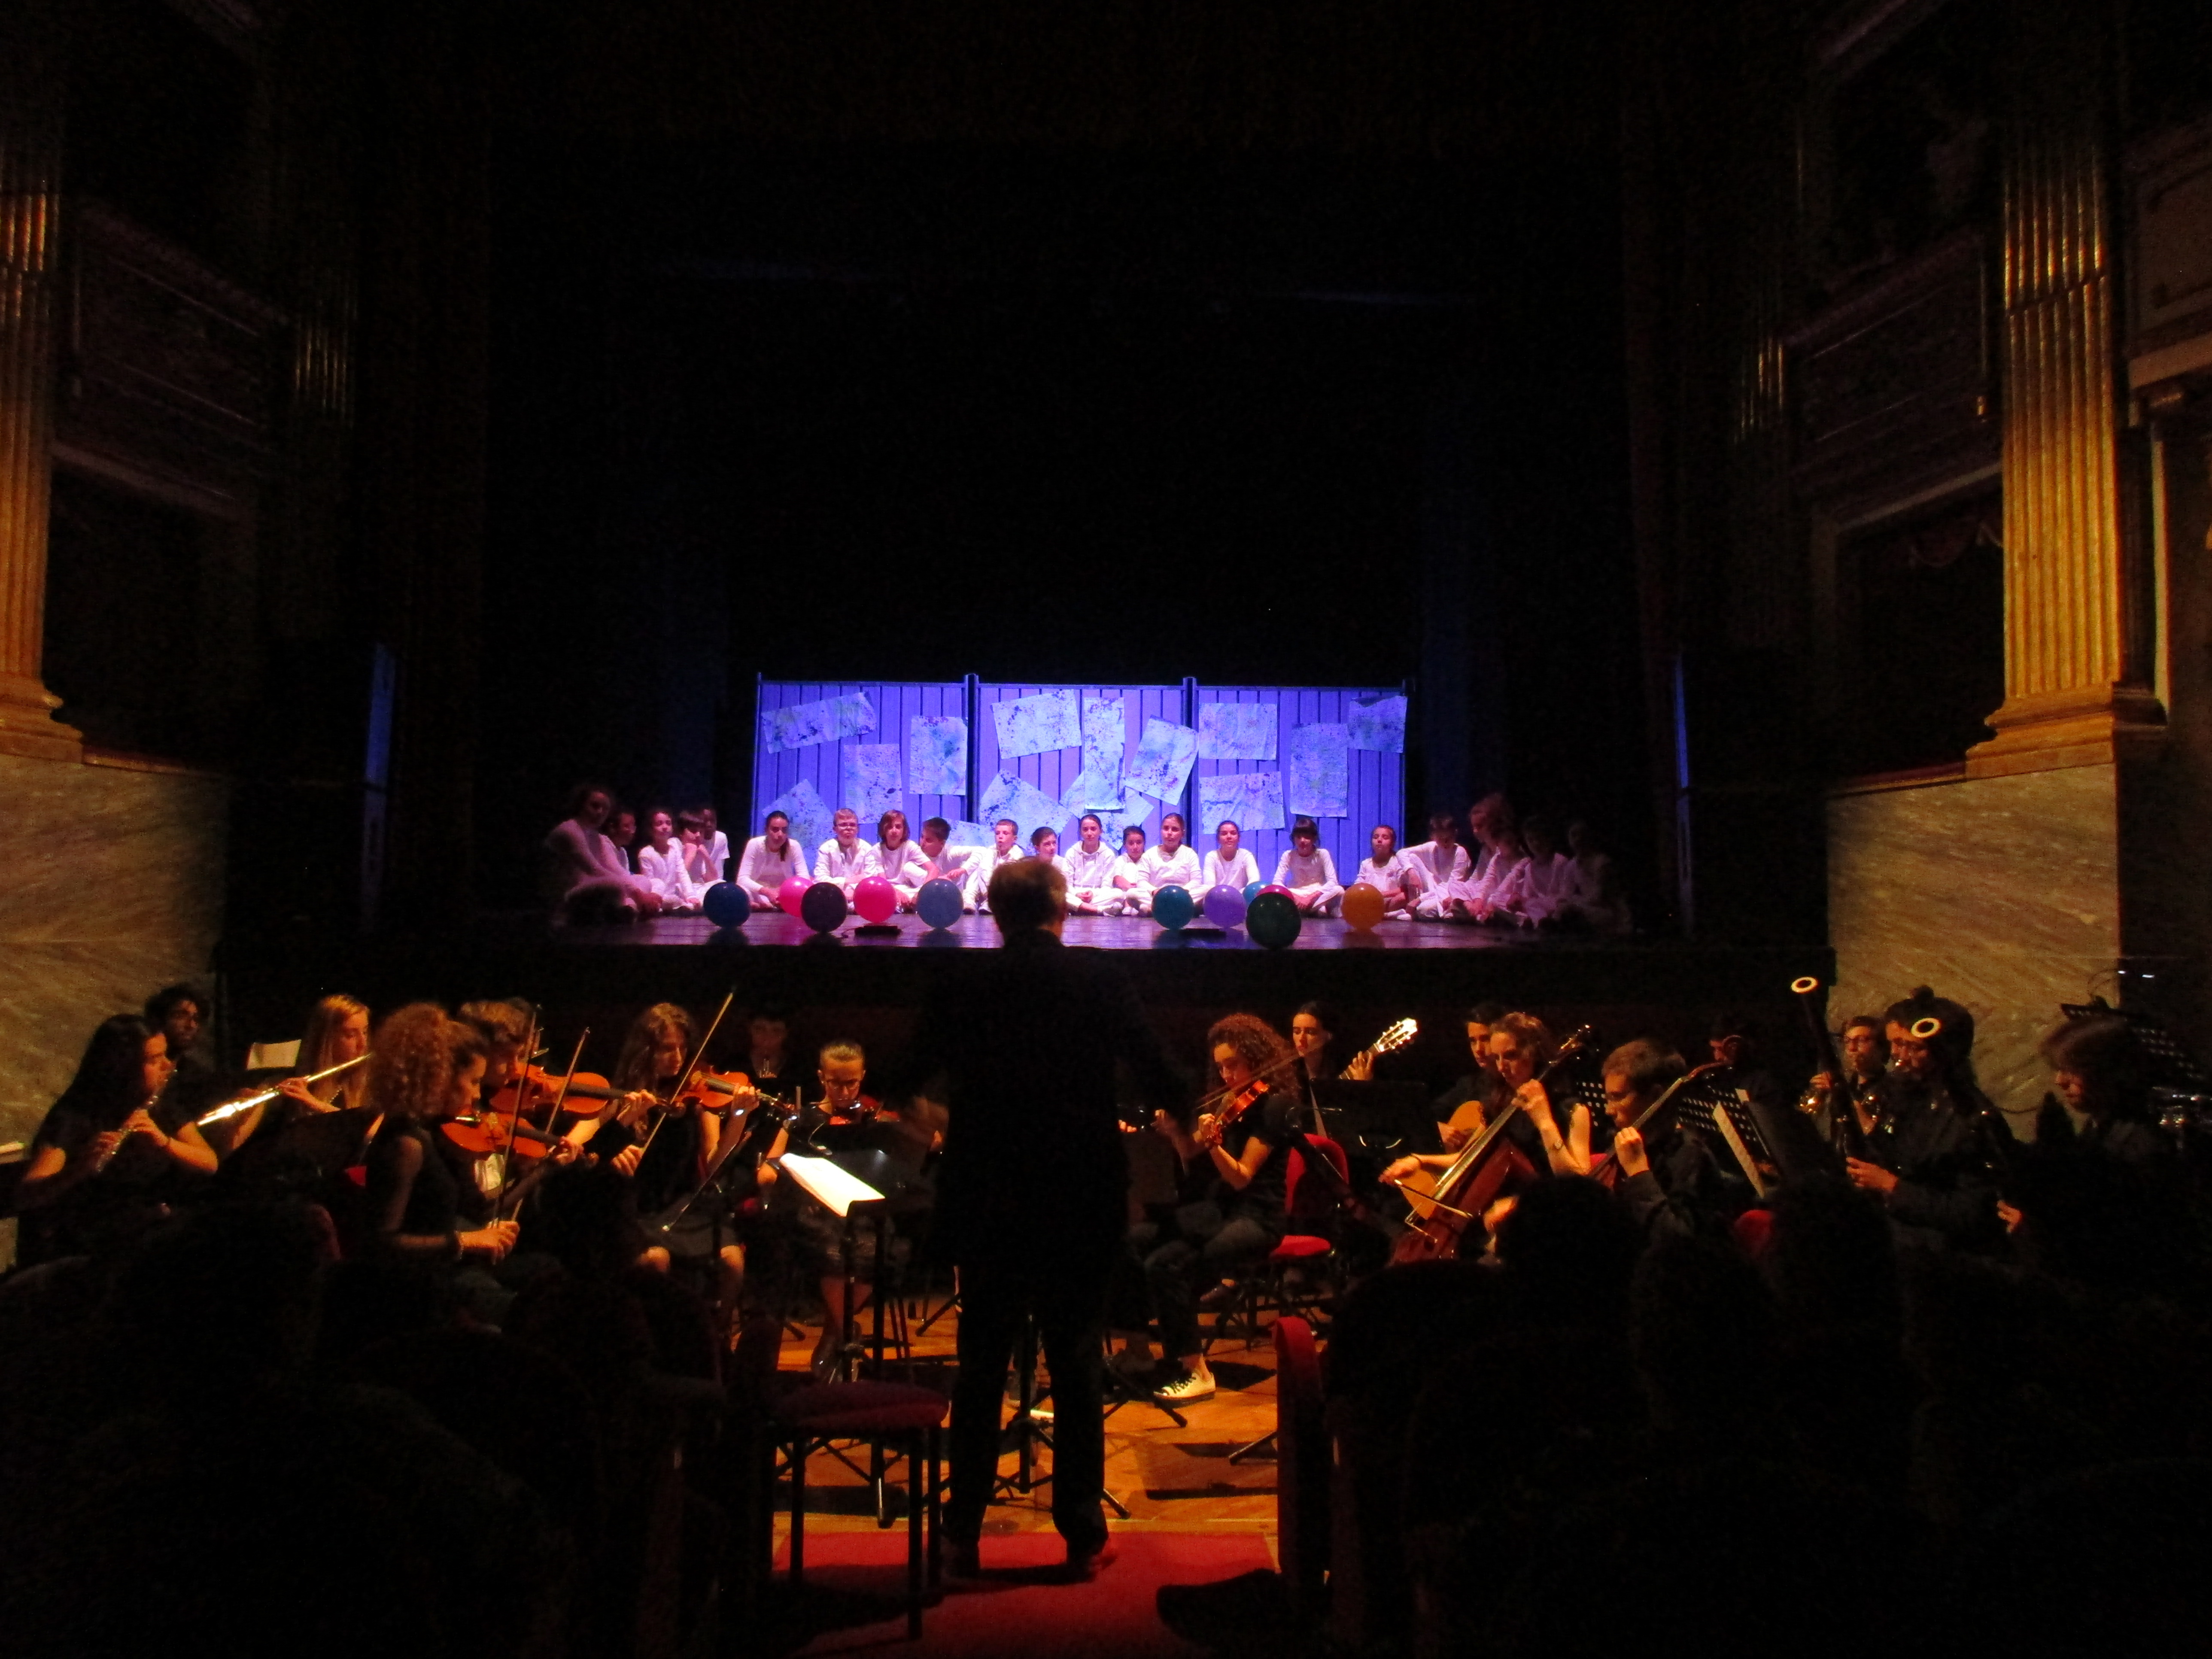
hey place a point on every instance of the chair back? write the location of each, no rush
(1302, 1459)
(1310, 1206)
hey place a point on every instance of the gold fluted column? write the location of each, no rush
(2072, 698)
(30, 202)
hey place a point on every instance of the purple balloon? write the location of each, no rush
(1224, 906)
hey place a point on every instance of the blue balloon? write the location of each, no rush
(1173, 908)
(824, 907)
(939, 903)
(1224, 907)
(1252, 891)
(727, 904)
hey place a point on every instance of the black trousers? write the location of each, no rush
(1068, 1301)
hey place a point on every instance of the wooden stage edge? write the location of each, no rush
(865, 980)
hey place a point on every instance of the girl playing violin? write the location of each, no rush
(425, 1068)
(109, 1150)
(1241, 1218)
(666, 1147)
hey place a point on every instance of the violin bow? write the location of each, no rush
(698, 1053)
(506, 1153)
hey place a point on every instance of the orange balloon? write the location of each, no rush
(1363, 907)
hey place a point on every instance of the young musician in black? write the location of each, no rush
(1924, 1157)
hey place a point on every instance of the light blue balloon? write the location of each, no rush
(1173, 908)
(1252, 891)
(939, 903)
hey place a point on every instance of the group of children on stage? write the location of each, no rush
(1513, 875)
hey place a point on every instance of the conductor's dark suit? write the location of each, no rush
(1032, 1196)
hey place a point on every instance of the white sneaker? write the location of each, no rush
(1191, 1385)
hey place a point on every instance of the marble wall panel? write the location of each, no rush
(111, 886)
(2002, 893)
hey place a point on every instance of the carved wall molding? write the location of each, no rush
(169, 368)
(1893, 392)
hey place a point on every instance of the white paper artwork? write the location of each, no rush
(1009, 797)
(872, 781)
(937, 754)
(1164, 755)
(1320, 761)
(1043, 720)
(1253, 799)
(1379, 725)
(809, 814)
(826, 720)
(1237, 731)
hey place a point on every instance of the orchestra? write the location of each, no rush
(470, 1153)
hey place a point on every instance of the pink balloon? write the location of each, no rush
(876, 899)
(792, 895)
(1276, 887)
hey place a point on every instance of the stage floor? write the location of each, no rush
(1100, 933)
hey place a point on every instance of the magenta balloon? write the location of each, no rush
(1277, 887)
(876, 899)
(792, 895)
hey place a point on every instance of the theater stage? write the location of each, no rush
(866, 983)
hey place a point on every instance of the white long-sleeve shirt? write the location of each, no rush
(1397, 878)
(906, 867)
(718, 856)
(760, 873)
(664, 872)
(1161, 870)
(1535, 886)
(1435, 871)
(833, 863)
(1240, 872)
(1296, 870)
(1130, 873)
(1090, 871)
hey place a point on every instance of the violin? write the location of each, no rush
(1240, 1102)
(712, 1091)
(1605, 1169)
(581, 1094)
(1465, 1190)
(479, 1134)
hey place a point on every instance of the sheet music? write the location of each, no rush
(832, 1187)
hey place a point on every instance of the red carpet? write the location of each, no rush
(1016, 1609)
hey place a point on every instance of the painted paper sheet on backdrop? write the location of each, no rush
(1009, 797)
(1379, 725)
(1164, 755)
(1133, 809)
(1319, 767)
(965, 834)
(1237, 731)
(1254, 800)
(809, 814)
(872, 783)
(826, 720)
(937, 754)
(1043, 720)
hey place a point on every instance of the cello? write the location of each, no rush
(1460, 1195)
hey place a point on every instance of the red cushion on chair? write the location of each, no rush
(862, 1408)
(1752, 1231)
(1297, 1248)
